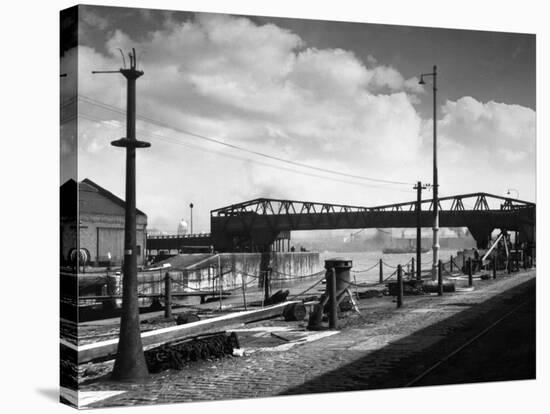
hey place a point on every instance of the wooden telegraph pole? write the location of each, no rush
(130, 360)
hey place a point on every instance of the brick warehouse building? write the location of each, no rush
(101, 216)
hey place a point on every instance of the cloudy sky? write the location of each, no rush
(341, 97)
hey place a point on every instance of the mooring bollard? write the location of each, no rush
(333, 303)
(111, 291)
(381, 275)
(167, 296)
(338, 281)
(399, 286)
(470, 279)
(494, 261)
(440, 278)
(243, 286)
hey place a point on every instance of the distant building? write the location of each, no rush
(101, 223)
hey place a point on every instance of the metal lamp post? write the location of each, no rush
(435, 246)
(191, 207)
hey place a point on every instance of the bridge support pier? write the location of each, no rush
(481, 234)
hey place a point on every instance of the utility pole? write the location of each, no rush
(435, 183)
(130, 360)
(419, 187)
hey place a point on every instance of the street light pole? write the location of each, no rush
(191, 207)
(435, 203)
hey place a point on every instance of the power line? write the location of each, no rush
(233, 146)
(170, 140)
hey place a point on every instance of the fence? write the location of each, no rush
(180, 288)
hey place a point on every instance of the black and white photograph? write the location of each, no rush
(255, 206)
(295, 209)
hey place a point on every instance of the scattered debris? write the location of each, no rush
(410, 287)
(277, 297)
(430, 286)
(371, 293)
(187, 318)
(238, 352)
(280, 337)
(176, 354)
(294, 312)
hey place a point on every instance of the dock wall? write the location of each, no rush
(239, 268)
(203, 274)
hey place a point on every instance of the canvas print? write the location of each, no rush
(260, 206)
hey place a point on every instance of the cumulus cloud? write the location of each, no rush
(491, 127)
(262, 87)
(256, 79)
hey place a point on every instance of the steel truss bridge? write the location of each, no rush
(258, 224)
(253, 225)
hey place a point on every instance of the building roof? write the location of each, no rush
(93, 199)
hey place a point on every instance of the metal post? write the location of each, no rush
(266, 284)
(412, 268)
(399, 286)
(130, 360)
(494, 261)
(470, 279)
(244, 291)
(440, 278)
(435, 183)
(435, 179)
(167, 296)
(333, 303)
(381, 277)
(220, 279)
(418, 230)
(516, 258)
(451, 264)
(191, 224)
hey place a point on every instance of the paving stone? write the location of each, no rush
(359, 356)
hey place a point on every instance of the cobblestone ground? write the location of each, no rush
(368, 352)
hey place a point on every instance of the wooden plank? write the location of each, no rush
(150, 339)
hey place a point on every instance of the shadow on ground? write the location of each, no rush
(503, 355)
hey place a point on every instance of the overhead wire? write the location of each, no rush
(173, 141)
(237, 147)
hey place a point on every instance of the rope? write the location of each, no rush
(308, 289)
(365, 270)
(295, 276)
(298, 277)
(395, 267)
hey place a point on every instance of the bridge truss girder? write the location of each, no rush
(259, 222)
